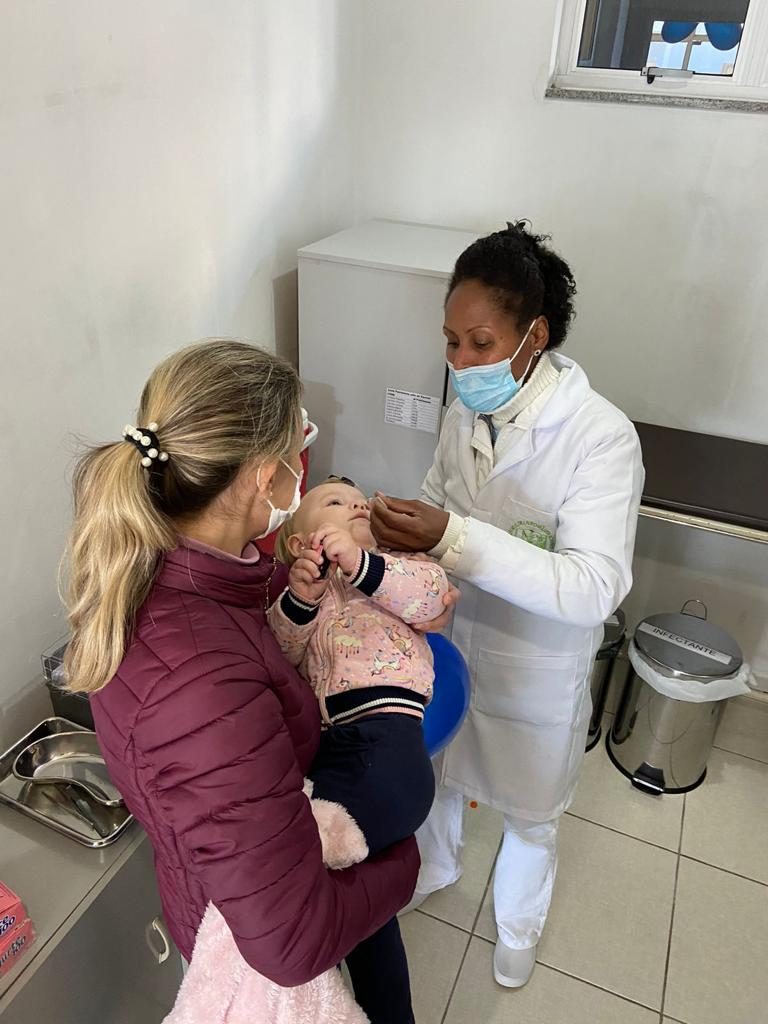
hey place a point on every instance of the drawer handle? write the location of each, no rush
(157, 927)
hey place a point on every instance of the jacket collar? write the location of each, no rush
(568, 396)
(237, 582)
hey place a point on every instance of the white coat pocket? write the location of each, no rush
(540, 689)
(534, 525)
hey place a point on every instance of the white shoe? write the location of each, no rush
(513, 967)
(415, 902)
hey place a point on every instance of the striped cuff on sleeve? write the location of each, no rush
(299, 611)
(369, 573)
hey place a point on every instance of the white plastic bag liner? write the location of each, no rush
(694, 691)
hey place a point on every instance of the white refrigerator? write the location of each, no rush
(372, 353)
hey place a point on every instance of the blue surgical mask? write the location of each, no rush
(487, 388)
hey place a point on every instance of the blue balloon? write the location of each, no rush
(448, 708)
(724, 35)
(677, 31)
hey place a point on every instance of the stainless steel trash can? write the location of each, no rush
(660, 743)
(614, 634)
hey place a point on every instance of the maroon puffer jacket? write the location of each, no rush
(208, 733)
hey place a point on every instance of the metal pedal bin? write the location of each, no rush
(683, 670)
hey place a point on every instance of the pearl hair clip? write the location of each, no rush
(146, 442)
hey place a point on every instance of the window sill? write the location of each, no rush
(559, 92)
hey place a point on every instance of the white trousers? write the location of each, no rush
(525, 867)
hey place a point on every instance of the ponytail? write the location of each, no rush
(117, 540)
(217, 406)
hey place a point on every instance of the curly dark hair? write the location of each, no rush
(527, 277)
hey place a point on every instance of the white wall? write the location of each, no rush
(661, 212)
(161, 164)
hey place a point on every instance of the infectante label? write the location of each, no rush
(683, 641)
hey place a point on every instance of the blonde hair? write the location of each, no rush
(217, 405)
(282, 551)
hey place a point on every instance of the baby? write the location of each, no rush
(345, 623)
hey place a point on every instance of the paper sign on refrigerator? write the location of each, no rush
(410, 409)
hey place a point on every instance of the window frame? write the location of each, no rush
(748, 84)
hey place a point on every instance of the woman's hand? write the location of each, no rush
(338, 546)
(304, 576)
(435, 625)
(407, 525)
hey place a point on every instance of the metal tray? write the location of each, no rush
(68, 759)
(54, 806)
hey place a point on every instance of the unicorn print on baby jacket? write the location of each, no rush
(359, 635)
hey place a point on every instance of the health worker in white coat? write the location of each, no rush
(531, 503)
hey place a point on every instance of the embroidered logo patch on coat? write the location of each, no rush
(533, 533)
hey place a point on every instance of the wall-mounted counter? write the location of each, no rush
(711, 483)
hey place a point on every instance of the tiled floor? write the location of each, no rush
(660, 912)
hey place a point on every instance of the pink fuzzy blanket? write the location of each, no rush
(220, 987)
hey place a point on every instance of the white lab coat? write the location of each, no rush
(529, 621)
